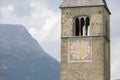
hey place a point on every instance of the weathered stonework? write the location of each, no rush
(99, 67)
(96, 14)
(84, 70)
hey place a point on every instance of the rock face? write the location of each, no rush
(21, 57)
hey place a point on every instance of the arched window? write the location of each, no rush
(76, 27)
(87, 26)
(82, 25)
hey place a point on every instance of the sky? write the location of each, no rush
(42, 18)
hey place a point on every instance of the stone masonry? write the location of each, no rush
(99, 67)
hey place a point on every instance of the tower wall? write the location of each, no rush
(96, 16)
(98, 68)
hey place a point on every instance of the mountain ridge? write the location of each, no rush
(22, 58)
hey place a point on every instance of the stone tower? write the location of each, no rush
(85, 40)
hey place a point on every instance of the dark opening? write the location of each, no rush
(76, 27)
(87, 25)
(82, 25)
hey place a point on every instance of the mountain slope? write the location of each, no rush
(21, 57)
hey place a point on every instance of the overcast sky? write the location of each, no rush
(42, 20)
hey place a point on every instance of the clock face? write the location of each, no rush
(79, 49)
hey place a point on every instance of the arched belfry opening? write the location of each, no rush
(82, 26)
(87, 32)
(76, 27)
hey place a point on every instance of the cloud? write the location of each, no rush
(115, 38)
(45, 23)
(115, 18)
(21, 7)
(50, 4)
(115, 58)
(39, 17)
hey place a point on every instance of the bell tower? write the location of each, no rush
(85, 40)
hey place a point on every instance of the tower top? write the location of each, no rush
(83, 3)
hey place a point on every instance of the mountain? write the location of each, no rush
(22, 58)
